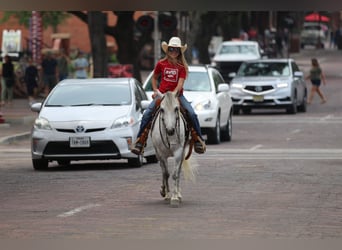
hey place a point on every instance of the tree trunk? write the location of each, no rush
(128, 52)
(96, 24)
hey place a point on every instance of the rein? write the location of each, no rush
(165, 138)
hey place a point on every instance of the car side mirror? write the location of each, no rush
(298, 74)
(145, 104)
(223, 87)
(35, 107)
(232, 74)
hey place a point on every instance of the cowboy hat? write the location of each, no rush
(174, 42)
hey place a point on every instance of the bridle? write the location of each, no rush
(162, 129)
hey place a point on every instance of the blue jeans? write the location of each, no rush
(147, 117)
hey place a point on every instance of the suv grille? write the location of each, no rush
(258, 89)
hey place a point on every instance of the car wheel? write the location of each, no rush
(63, 162)
(136, 162)
(292, 109)
(236, 111)
(226, 134)
(40, 164)
(151, 159)
(302, 107)
(214, 135)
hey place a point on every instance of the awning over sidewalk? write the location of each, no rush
(316, 17)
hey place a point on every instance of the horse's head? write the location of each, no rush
(169, 112)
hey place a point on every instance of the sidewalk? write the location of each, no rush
(18, 120)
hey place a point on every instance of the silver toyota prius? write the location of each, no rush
(89, 119)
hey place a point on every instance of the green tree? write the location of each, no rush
(49, 18)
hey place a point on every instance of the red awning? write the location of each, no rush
(315, 17)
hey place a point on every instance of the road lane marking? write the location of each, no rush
(327, 117)
(281, 153)
(77, 210)
(255, 147)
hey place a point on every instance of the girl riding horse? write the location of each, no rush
(173, 70)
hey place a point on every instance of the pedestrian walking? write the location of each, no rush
(8, 81)
(316, 76)
(31, 78)
(49, 67)
(63, 66)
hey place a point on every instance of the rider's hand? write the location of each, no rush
(157, 93)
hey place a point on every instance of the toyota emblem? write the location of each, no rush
(79, 129)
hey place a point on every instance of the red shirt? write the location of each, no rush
(170, 75)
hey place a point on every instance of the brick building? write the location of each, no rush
(72, 27)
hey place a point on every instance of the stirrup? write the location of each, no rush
(137, 148)
(199, 146)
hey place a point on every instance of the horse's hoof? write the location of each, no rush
(174, 202)
(162, 193)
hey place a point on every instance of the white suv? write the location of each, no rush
(209, 95)
(313, 34)
(231, 54)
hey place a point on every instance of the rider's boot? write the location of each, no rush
(138, 146)
(199, 145)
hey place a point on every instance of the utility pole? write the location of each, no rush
(156, 38)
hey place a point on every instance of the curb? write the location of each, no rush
(6, 140)
(13, 138)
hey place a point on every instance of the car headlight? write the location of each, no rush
(203, 105)
(237, 85)
(282, 85)
(123, 122)
(42, 123)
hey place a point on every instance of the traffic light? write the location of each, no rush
(166, 23)
(145, 23)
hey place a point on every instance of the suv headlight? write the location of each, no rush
(236, 85)
(203, 105)
(282, 85)
(42, 123)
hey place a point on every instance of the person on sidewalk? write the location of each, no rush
(172, 70)
(31, 78)
(316, 76)
(63, 65)
(81, 66)
(8, 81)
(50, 72)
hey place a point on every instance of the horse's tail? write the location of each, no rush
(189, 169)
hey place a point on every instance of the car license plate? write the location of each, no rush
(79, 142)
(258, 98)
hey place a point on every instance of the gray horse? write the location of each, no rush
(170, 139)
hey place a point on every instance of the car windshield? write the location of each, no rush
(196, 81)
(238, 49)
(264, 69)
(87, 95)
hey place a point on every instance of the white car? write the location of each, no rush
(313, 33)
(269, 83)
(209, 96)
(89, 119)
(231, 54)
